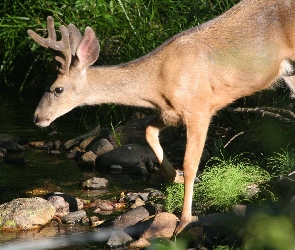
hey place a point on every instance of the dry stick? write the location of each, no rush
(262, 112)
(233, 138)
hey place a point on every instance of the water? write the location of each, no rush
(44, 173)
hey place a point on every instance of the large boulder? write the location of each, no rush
(25, 213)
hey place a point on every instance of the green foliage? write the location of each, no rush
(174, 193)
(223, 184)
(265, 231)
(226, 182)
(282, 163)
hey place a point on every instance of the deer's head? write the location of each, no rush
(75, 54)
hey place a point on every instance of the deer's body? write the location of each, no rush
(188, 78)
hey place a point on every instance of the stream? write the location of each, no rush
(44, 173)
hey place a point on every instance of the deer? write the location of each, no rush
(187, 79)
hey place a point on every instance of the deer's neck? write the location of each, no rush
(132, 84)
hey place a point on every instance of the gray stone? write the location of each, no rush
(119, 238)
(95, 183)
(101, 147)
(73, 217)
(126, 156)
(25, 213)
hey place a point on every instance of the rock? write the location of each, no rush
(74, 142)
(84, 144)
(94, 221)
(57, 144)
(87, 161)
(134, 216)
(116, 169)
(138, 169)
(64, 203)
(85, 221)
(138, 203)
(42, 144)
(141, 243)
(73, 217)
(103, 205)
(95, 183)
(101, 147)
(126, 156)
(11, 146)
(163, 225)
(75, 154)
(119, 238)
(25, 213)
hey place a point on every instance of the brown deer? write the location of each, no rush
(188, 78)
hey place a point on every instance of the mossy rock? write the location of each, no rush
(25, 213)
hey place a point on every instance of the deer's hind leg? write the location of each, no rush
(152, 136)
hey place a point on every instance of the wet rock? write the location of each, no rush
(163, 225)
(131, 197)
(85, 221)
(54, 152)
(134, 216)
(73, 217)
(101, 147)
(126, 156)
(119, 238)
(25, 213)
(103, 205)
(95, 183)
(87, 161)
(11, 146)
(95, 221)
(64, 203)
(42, 144)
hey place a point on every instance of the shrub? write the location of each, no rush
(226, 182)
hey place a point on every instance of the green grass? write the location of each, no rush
(226, 182)
(283, 162)
(223, 184)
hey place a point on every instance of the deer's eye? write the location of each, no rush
(58, 90)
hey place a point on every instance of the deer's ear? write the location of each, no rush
(88, 49)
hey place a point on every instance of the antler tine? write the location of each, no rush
(63, 45)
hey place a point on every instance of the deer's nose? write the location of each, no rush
(36, 119)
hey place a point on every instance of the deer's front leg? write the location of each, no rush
(197, 127)
(152, 137)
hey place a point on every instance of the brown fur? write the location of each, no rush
(188, 78)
